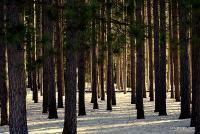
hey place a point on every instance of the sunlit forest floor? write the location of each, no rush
(122, 120)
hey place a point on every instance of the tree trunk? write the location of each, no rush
(156, 53)
(162, 105)
(94, 67)
(60, 66)
(151, 92)
(3, 75)
(183, 6)
(16, 73)
(195, 120)
(109, 65)
(70, 120)
(175, 49)
(140, 61)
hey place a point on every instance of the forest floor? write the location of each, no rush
(122, 120)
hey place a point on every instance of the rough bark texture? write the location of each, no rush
(183, 6)
(16, 73)
(162, 105)
(140, 61)
(70, 120)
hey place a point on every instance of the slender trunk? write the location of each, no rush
(109, 65)
(140, 62)
(3, 86)
(151, 92)
(162, 105)
(60, 66)
(175, 49)
(94, 67)
(156, 53)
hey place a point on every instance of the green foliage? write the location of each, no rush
(118, 43)
(16, 34)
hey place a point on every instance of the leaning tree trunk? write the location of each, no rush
(16, 72)
(183, 7)
(3, 87)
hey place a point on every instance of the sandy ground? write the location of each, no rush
(122, 120)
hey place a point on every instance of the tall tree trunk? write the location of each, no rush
(156, 53)
(171, 50)
(132, 44)
(162, 109)
(175, 49)
(70, 120)
(16, 72)
(183, 7)
(151, 92)
(60, 66)
(109, 65)
(3, 86)
(94, 67)
(140, 61)
(195, 120)
(50, 63)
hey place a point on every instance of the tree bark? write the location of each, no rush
(16, 73)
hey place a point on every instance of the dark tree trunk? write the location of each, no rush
(94, 67)
(183, 6)
(162, 105)
(45, 65)
(16, 73)
(175, 49)
(3, 87)
(195, 121)
(113, 90)
(109, 67)
(140, 61)
(156, 53)
(60, 66)
(151, 92)
(50, 63)
(81, 81)
(70, 120)
(132, 44)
